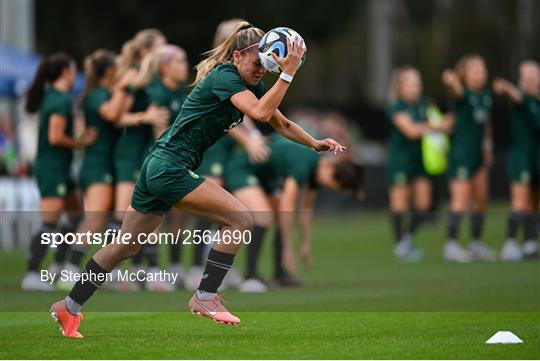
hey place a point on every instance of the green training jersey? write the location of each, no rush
(165, 97)
(206, 116)
(403, 149)
(133, 139)
(471, 113)
(524, 122)
(290, 159)
(104, 143)
(51, 156)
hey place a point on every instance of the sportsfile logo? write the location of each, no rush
(182, 236)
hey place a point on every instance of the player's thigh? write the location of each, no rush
(217, 180)
(255, 199)
(50, 208)
(98, 198)
(98, 201)
(211, 201)
(123, 192)
(399, 197)
(422, 193)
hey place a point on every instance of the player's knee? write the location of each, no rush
(245, 220)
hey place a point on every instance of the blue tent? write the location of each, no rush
(17, 69)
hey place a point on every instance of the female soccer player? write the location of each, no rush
(136, 137)
(303, 172)
(405, 170)
(49, 94)
(102, 110)
(471, 155)
(227, 86)
(163, 73)
(212, 168)
(522, 161)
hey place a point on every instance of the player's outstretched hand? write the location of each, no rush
(328, 145)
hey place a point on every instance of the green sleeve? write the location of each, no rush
(61, 106)
(227, 82)
(94, 101)
(394, 108)
(156, 96)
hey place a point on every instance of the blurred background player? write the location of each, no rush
(212, 168)
(303, 172)
(471, 155)
(48, 93)
(138, 118)
(522, 159)
(103, 103)
(405, 170)
(163, 74)
(137, 131)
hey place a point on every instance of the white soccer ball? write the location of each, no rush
(275, 41)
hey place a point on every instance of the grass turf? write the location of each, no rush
(360, 303)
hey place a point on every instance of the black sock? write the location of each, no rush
(77, 254)
(477, 224)
(151, 253)
(416, 220)
(217, 265)
(514, 220)
(137, 259)
(83, 290)
(530, 227)
(175, 252)
(202, 225)
(61, 253)
(37, 249)
(253, 250)
(278, 248)
(454, 219)
(397, 225)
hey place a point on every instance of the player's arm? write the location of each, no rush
(504, 87)
(263, 109)
(252, 141)
(447, 124)
(153, 115)
(57, 137)
(286, 215)
(306, 220)
(297, 134)
(408, 127)
(112, 109)
(451, 81)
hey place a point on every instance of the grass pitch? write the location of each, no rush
(359, 303)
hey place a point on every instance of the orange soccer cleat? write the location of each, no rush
(68, 323)
(214, 309)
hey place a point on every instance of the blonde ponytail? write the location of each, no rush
(95, 66)
(152, 63)
(243, 35)
(144, 39)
